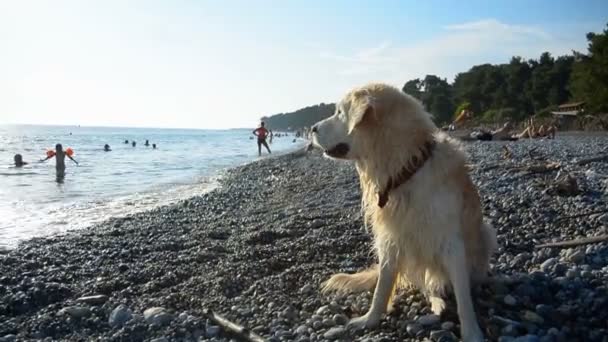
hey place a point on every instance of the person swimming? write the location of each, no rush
(59, 155)
(154, 146)
(147, 143)
(106, 148)
(126, 141)
(19, 160)
(133, 143)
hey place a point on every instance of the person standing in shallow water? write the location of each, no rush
(261, 132)
(59, 155)
(19, 160)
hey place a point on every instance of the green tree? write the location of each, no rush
(589, 79)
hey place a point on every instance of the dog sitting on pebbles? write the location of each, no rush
(424, 210)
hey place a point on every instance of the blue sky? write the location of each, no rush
(220, 64)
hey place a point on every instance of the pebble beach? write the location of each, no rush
(256, 249)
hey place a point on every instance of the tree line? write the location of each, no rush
(494, 93)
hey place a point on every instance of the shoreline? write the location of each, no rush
(256, 248)
(141, 201)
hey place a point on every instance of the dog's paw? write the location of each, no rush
(366, 321)
(437, 305)
(472, 334)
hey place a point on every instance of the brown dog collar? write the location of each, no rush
(406, 172)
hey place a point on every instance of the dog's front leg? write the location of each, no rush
(382, 293)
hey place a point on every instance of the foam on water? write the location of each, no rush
(109, 184)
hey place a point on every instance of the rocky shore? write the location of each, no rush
(256, 249)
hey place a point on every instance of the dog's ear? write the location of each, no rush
(362, 110)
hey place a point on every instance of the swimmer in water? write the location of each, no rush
(19, 160)
(147, 143)
(126, 141)
(133, 143)
(59, 155)
(106, 148)
(154, 146)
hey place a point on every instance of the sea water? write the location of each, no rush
(185, 163)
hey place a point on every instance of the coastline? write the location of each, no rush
(256, 248)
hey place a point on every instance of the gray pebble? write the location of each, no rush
(302, 329)
(329, 322)
(212, 331)
(75, 311)
(340, 319)
(447, 325)
(413, 328)
(427, 320)
(510, 300)
(93, 300)
(158, 316)
(119, 316)
(160, 339)
(334, 333)
(527, 338)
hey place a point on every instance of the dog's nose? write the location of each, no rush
(314, 129)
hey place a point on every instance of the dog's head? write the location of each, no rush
(363, 116)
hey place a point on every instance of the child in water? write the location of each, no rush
(59, 155)
(19, 160)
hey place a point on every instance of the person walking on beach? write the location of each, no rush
(261, 132)
(60, 155)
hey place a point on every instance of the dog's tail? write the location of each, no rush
(358, 282)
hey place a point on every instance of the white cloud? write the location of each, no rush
(457, 48)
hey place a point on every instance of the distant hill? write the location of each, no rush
(299, 119)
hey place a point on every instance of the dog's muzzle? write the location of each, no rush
(338, 151)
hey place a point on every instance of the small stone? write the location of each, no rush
(340, 319)
(302, 330)
(160, 339)
(212, 331)
(546, 266)
(527, 338)
(572, 273)
(93, 300)
(427, 320)
(183, 316)
(119, 316)
(413, 328)
(329, 322)
(75, 311)
(158, 316)
(510, 300)
(533, 317)
(505, 339)
(576, 256)
(322, 310)
(334, 333)
(442, 336)
(317, 325)
(306, 288)
(447, 325)
(544, 310)
(9, 338)
(509, 330)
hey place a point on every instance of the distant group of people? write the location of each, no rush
(60, 154)
(530, 131)
(134, 143)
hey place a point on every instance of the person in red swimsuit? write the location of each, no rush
(261, 132)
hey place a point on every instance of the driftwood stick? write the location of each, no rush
(575, 242)
(582, 215)
(233, 328)
(591, 160)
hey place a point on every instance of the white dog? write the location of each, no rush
(424, 209)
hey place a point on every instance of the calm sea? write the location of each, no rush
(107, 184)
